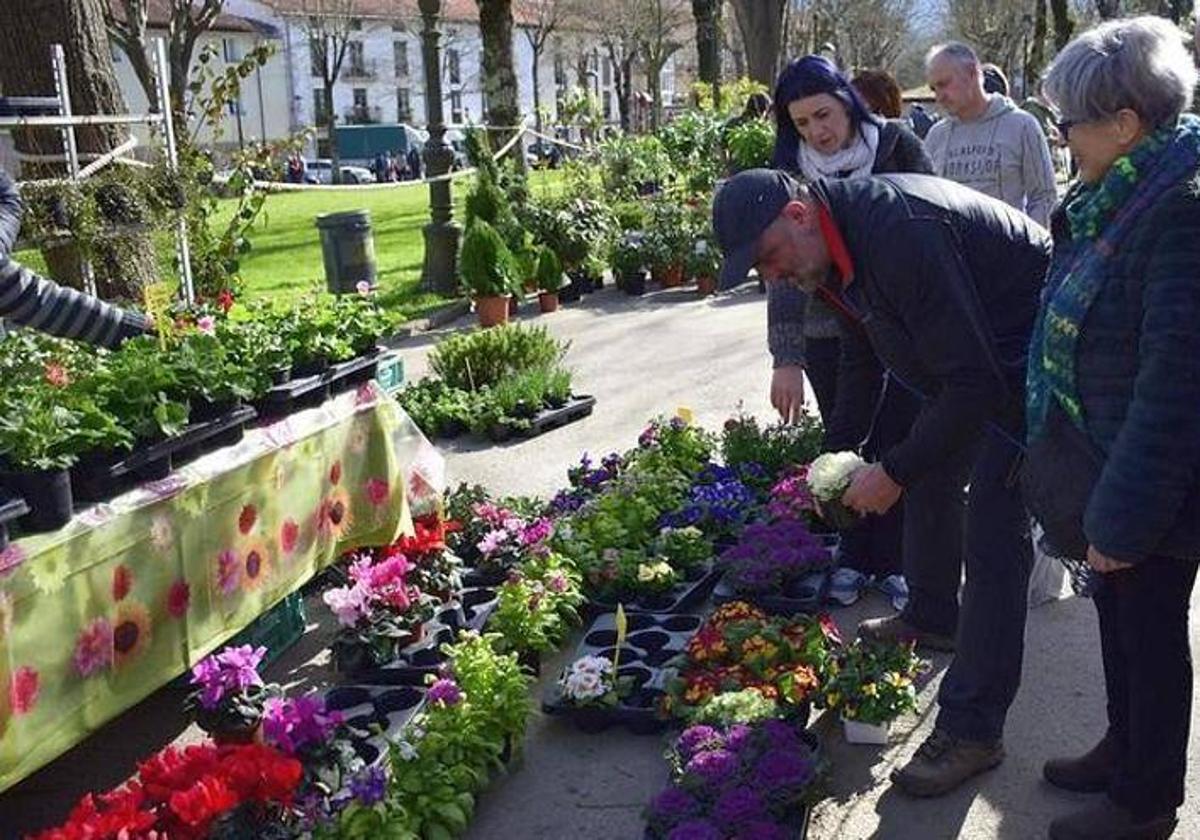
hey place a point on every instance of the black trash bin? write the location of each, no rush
(348, 249)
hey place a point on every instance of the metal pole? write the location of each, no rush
(440, 270)
(164, 103)
(62, 87)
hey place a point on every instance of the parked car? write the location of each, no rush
(543, 155)
(320, 171)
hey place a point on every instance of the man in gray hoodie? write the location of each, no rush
(987, 142)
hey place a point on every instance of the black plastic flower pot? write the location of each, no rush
(530, 662)
(311, 367)
(93, 479)
(281, 375)
(48, 494)
(569, 293)
(634, 283)
(203, 410)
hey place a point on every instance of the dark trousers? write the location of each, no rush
(1148, 677)
(982, 680)
(875, 546)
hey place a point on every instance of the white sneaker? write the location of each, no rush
(846, 585)
(895, 587)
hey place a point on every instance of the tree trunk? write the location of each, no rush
(1064, 25)
(654, 82)
(27, 30)
(1108, 9)
(499, 77)
(1037, 51)
(708, 43)
(537, 89)
(335, 158)
(760, 22)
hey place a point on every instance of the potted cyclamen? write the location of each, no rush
(230, 696)
(379, 614)
(485, 269)
(549, 280)
(828, 478)
(871, 686)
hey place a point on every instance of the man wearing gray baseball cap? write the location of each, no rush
(940, 285)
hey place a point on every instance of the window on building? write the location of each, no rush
(400, 53)
(560, 71)
(398, 26)
(403, 105)
(356, 24)
(452, 67)
(456, 107)
(606, 75)
(354, 58)
(608, 103)
(320, 106)
(231, 50)
(360, 97)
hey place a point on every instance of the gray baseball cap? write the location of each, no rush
(743, 208)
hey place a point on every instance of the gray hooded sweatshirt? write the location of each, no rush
(1003, 154)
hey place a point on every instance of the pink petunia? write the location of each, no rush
(23, 690)
(94, 648)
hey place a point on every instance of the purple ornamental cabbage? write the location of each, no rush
(738, 805)
(695, 830)
(714, 767)
(698, 738)
(673, 804)
(780, 769)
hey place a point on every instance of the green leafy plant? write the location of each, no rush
(482, 357)
(549, 272)
(751, 144)
(486, 263)
(204, 369)
(537, 605)
(43, 428)
(137, 388)
(774, 447)
(628, 255)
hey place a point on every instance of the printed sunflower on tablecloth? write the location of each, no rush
(334, 516)
(131, 632)
(256, 565)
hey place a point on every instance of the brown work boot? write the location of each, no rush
(1106, 820)
(895, 629)
(944, 762)
(1088, 773)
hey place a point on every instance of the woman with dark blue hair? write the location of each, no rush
(824, 129)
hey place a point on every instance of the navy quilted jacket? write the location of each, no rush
(1138, 377)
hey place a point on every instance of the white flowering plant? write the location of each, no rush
(828, 478)
(591, 681)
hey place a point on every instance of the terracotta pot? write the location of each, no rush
(492, 310)
(548, 301)
(706, 286)
(672, 277)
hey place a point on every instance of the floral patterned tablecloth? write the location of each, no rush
(129, 594)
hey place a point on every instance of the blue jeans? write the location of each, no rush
(983, 678)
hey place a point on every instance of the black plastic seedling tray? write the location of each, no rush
(576, 408)
(100, 480)
(804, 595)
(310, 391)
(684, 596)
(651, 641)
(374, 714)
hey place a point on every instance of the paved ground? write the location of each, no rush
(642, 357)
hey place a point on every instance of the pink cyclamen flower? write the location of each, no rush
(207, 324)
(348, 603)
(492, 541)
(94, 648)
(23, 690)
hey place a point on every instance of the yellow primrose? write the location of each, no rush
(871, 690)
(650, 572)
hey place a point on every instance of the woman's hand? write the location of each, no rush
(872, 490)
(787, 392)
(1103, 563)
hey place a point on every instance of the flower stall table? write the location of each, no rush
(129, 594)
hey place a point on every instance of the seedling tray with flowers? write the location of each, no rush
(742, 665)
(373, 714)
(780, 566)
(578, 406)
(636, 692)
(697, 584)
(739, 780)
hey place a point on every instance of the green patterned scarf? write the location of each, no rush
(1100, 216)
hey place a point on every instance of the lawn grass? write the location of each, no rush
(285, 257)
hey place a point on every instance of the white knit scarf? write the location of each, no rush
(854, 161)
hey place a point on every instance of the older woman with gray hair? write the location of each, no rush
(1114, 377)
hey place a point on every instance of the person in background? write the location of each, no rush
(381, 167)
(414, 163)
(1115, 363)
(32, 301)
(994, 80)
(880, 91)
(920, 120)
(825, 130)
(986, 142)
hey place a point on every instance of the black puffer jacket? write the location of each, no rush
(946, 282)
